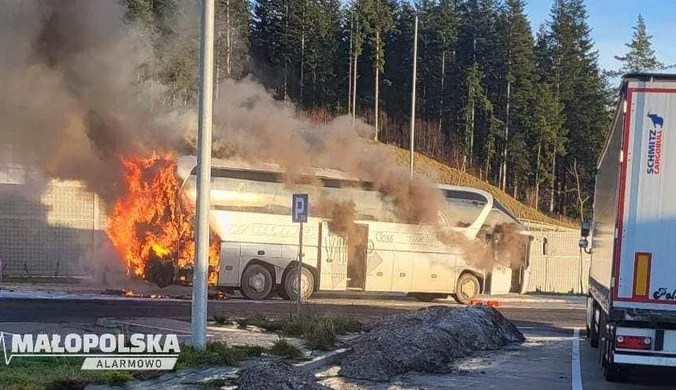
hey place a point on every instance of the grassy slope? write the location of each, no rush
(447, 175)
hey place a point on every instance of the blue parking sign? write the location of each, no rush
(299, 208)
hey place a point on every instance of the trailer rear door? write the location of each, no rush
(645, 253)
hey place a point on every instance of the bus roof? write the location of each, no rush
(186, 164)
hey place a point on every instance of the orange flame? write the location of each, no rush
(154, 221)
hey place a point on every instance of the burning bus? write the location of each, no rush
(353, 238)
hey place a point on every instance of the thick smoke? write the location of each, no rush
(74, 98)
(70, 98)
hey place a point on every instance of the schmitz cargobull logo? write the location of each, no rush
(655, 144)
(101, 352)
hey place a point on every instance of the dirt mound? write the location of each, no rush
(277, 375)
(427, 340)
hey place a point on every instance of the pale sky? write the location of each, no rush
(612, 21)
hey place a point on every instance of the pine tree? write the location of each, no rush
(270, 44)
(232, 43)
(376, 16)
(581, 88)
(520, 95)
(399, 64)
(480, 60)
(140, 11)
(640, 57)
(549, 138)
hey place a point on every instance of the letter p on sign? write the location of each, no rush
(299, 208)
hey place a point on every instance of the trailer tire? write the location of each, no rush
(257, 282)
(467, 288)
(592, 326)
(611, 372)
(307, 283)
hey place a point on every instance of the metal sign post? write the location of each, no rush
(299, 211)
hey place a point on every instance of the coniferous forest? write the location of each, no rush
(524, 110)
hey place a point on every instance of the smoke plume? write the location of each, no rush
(70, 98)
(75, 96)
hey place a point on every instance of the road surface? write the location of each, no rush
(552, 358)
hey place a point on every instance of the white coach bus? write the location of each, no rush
(251, 212)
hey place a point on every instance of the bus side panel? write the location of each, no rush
(402, 274)
(229, 270)
(379, 270)
(434, 272)
(647, 268)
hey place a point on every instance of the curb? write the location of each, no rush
(322, 361)
(127, 326)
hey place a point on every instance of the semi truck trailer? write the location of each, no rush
(631, 305)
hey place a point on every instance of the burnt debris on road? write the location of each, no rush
(426, 340)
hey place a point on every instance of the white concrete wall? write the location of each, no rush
(558, 266)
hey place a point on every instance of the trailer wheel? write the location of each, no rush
(290, 283)
(257, 282)
(592, 325)
(611, 372)
(468, 288)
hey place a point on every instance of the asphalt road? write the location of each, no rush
(548, 359)
(88, 310)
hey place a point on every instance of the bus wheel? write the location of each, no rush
(257, 282)
(468, 288)
(282, 292)
(290, 283)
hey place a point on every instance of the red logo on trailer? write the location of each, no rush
(655, 144)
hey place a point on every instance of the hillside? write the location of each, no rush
(447, 175)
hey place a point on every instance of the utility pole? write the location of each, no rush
(415, 70)
(206, 83)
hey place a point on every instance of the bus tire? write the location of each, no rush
(467, 288)
(289, 282)
(257, 282)
(282, 292)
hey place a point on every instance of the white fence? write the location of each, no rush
(557, 263)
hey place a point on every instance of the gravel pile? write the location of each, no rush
(427, 340)
(276, 375)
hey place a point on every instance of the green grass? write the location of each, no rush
(319, 332)
(216, 354)
(285, 349)
(63, 373)
(55, 373)
(220, 319)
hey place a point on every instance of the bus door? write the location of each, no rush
(357, 252)
(333, 260)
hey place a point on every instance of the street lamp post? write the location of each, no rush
(201, 270)
(415, 69)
